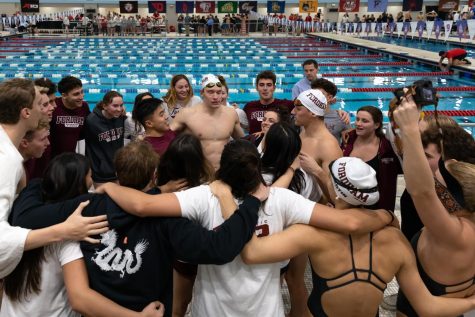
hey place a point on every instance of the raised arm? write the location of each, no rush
(295, 240)
(419, 296)
(420, 181)
(178, 123)
(141, 204)
(90, 303)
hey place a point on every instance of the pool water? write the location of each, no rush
(135, 65)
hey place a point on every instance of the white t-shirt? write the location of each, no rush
(130, 133)
(236, 289)
(12, 239)
(52, 301)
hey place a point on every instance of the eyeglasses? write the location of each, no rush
(211, 85)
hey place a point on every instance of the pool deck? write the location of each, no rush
(428, 56)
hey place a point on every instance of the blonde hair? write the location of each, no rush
(464, 173)
(41, 126)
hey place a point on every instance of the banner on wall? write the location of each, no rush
(205, 6)
(30, 5)
(377, 5)
(227, 6)
(157, 7)
(247, 6)
(185, 6)
(349, 6)
(128, 7)
(308, 6)
(275, 6)
(448, 5)
(412, 5)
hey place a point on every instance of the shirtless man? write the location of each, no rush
(212, 123)
(317, 142)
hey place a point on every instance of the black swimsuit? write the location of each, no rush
(434, 287)
(320, 284)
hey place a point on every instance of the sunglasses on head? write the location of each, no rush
(211, 85)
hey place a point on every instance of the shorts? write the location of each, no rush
(460, 57)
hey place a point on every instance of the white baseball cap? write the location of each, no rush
(210, 79)
(314, 100)
(354, 181)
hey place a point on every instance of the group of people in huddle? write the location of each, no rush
(192, 200)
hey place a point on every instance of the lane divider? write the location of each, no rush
(453, 113)
(367, 64)
(317, 51)
(337, 56)
(387, 89)
(386, 74)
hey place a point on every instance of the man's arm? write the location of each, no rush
(237, 130)
(179, 122)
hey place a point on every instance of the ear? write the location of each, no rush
(148, 124)
(25, 112)
(24, 143)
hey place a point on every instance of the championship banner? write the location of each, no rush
(30, 5)
(275, 6)
(349, 6)
(429, 27)
(247, 6)
(157, 7)
(185, 6)
(227, 6)
(448, 27)
(205, 6)
(448, 5)
(377, 5)
(128, 7)
(414, 27)
(412, 5)
(308, 6)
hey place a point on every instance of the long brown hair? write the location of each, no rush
(171, 98)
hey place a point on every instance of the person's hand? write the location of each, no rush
(295, 164)
(220, 189)
(154, 309)
(174, 186)
(344, 116)
(257, 135)
(309, 165)
(78, 228)
(262, 192)
(406, 115)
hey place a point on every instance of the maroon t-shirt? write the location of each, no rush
(67, 127)
(255, 112)
(35, 167)
(160, 143)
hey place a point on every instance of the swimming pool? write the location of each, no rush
(423, 44)
(135, 65)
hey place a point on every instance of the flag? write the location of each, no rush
(308, 6)
(205, 6)
(185, 6)
(448, 5)
(30, 5)
(275, 6)
(349, 6)
(129, 7)
(412, 5)
(377, 5)
(157, 6)
(247, 6)
(227, 6)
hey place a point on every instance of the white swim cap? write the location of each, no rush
(314, 100)
(209, 81)
(354, 181)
